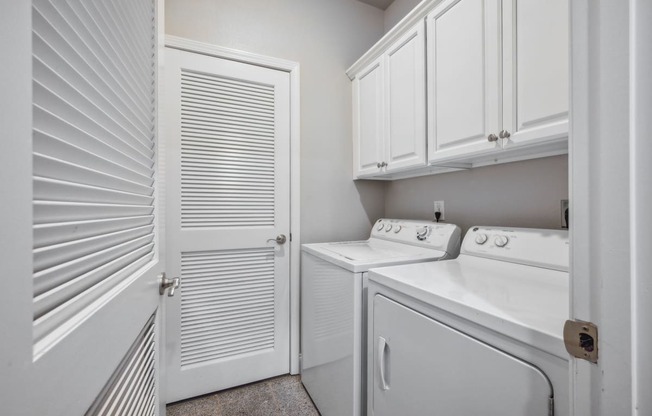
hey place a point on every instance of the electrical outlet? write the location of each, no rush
(565, 212)
(439, 207)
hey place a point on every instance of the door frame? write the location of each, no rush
(610, 166)
(292, 68)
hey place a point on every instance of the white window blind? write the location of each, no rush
(94, 151)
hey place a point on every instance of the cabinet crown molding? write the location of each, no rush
(418, 13)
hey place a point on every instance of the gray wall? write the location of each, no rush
(397, 10)
(519, 194)
(325, 37)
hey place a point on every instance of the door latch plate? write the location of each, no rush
(581, 340)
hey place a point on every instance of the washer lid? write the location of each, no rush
(360, 256)
(529, 304)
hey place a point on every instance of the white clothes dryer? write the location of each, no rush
(333, 304)
(478, 335)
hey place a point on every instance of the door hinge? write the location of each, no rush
(290, 237)
(581, 340)
(551, 406)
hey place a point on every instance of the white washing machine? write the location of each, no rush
(333, 304)
(478, 335)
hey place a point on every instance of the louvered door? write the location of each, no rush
(83, 209)
(227, 191)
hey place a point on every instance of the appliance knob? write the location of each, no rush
(422, 234)
(397, 228)
(388, 228)
(481, 239)
(501, 241)
(380, 226)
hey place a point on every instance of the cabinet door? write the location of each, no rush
(535, 70)
(422, 367)
(463, 78)
(368, 130)
(405, 88)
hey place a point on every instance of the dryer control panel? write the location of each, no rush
(536, 247)
(444, 237)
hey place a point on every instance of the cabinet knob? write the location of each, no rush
(504, 134)
(378, 165)
(382, 165)
(492, 138)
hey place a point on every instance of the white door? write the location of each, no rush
(535, 70)
(80, 242)
(446, 372)
(406, 101)
(368, 127)
(463, 78)
(227, 191)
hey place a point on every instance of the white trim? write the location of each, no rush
(407, 23)
(159, 322)
(579, 181)
(640, 86)
(295, 164)
(16, 367)
(204, 48)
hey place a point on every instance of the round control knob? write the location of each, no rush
(397, 228)
(388, 228)
(501, 241)
(481, 239)
(380, 226)
(422, 233)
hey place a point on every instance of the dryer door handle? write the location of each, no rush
(382, 361)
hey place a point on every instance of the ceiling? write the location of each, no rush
(381, 4)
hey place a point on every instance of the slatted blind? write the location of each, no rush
(94, 150)
(131, 390)
(227, 303)
(227, 152)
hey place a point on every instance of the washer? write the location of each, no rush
(333, 304)
(481, 334)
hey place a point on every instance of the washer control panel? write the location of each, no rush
(536, 247)
(439, 236)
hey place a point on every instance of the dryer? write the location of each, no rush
(481, 334)
(333, 304)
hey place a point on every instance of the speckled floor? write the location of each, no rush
(279, 396)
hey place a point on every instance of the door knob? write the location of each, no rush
(166, 283)
(492, 138)
(280, 239)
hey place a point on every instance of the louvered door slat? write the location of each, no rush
(215, 294)
(57, 233)
(131, 389)
(73, 31)
(93, 153)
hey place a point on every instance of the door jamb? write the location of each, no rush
(292, 68)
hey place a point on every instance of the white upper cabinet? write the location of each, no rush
(535, 70)
(389, 109)
(463, 78)
(477, 81)
(406, 101)
(368, 120)
(497, 77)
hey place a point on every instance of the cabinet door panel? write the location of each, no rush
(535, 64)
(406, 101)
(463, 78)
(368, 121)
(422, 367)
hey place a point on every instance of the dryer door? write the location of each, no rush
(422, 367)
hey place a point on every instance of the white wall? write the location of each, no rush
(325, 37)
(519, 194)
(397, 10)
